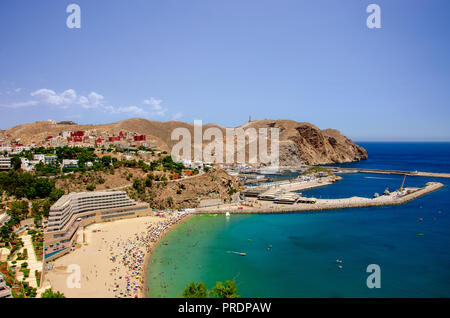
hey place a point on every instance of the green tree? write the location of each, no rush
(227, 290)
(55, 195)
(46, 207)
(48, 293)
(25, 185)
(16, 163)
(18, 211)
(106, 160)
(149, 181)
(36, 207)
(137, 184)
(195, 290)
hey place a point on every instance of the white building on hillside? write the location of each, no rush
(28, 165)
(5, 163)
(6, 148)
(70, 163)
(46, 159)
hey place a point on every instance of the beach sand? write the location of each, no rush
(112, 263)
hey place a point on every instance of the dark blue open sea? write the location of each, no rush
(410, 242)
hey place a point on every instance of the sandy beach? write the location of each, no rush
(113, 257)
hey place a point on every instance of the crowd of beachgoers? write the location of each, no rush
(131, 254)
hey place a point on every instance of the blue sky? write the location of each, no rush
(221, 61)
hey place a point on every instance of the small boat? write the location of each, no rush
(340, 266)
(227, 214)
(165, 243)
(243, 254)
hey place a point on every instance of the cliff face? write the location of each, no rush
(304, 143)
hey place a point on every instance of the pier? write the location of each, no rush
(293, 186)
(380, 171)
(394, 198)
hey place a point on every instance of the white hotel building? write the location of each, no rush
(76, 210)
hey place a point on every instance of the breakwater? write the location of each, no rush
(395, 198)
(381, 171)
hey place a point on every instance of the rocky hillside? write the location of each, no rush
(187, 193)
(307, 144)
(300, 143)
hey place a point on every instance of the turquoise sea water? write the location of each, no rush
(414, 254)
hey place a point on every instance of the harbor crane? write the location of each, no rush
(403, 183)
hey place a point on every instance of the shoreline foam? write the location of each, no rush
(144, 292)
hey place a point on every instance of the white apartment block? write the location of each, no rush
(5, 148)
(46, 159)
(5, 163)
(79, 209)
(19, 149)
(70, 163)
(192, 164)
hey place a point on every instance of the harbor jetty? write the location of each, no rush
(287, 185)
(394, 198)
(381, 171)
(337, 169)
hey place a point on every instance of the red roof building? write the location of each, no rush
(140, 138)
(79, 133)
(114, 138)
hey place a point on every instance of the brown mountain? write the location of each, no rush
(300, 143)
(307, 144)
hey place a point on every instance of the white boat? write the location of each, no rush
(268, 170)
(227, 214)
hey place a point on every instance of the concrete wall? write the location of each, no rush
(210, 202)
